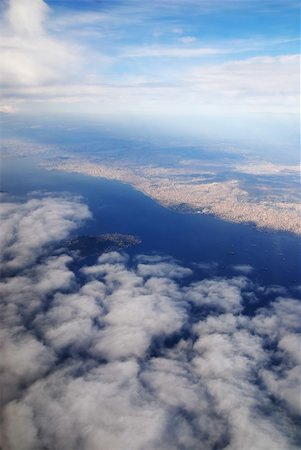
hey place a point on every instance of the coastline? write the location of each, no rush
(224, 200)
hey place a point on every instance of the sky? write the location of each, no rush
(172, 58)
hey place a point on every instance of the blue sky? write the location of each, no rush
(162, 57)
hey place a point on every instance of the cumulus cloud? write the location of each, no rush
(136, 353)
(27, 227)
(225, 295)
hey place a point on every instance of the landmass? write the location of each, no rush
(89, 245)
(196, 188)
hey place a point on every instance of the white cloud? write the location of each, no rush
(163, 269)
(26, 228)
(263, 80)
(91, 361)
(26, 17)
(225, 295)
(243, 268)
(248, 85)
(29, 55)
(281, 325)
(44, 61)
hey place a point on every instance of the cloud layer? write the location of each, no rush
(137, 354)
(115, 59)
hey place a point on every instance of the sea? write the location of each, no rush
(197, 240)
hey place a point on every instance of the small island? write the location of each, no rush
(89, 245)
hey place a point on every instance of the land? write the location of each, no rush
(89, 245)
(194, 187)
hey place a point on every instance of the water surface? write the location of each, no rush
(191, 238)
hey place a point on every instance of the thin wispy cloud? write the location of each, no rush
(171, 52)
(113, 54)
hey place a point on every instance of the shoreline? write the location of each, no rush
(235, 206)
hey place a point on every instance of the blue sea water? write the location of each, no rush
(190, 238)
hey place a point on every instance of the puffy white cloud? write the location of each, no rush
(23, 359)
(131, 301)
(224, 295)
(132, 354)
(26, 228)
(281, 327)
